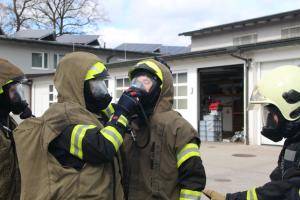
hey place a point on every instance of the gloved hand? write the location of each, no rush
(26, 113)
(128, 104)
(135, 92)
(213, 195)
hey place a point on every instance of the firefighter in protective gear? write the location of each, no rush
(278, 93)
(70, 152)
(11, 100)
(162, 157)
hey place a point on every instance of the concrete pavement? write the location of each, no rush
(236, 167)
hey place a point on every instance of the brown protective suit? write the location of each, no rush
(43, 177)
(9, 170)
(152, 172)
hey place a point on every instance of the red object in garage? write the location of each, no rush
(218, 106)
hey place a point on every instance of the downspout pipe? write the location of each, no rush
(247, 65)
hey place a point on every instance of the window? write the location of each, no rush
(106, 82)
(121, 85)
(40, 60)
(245, 39)
(290, 32)
(57, 58)
(180, 90)
(52, 95)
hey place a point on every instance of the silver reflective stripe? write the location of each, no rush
(289, 155)
(190, 197)
(94, 68)
(186, 152)
(77, 138)
(112, 134)
(251, 195)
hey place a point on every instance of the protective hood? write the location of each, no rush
(70, 76)
(8, 71)
(165, 100)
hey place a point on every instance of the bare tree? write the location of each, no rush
(16, 14)
(68, 16)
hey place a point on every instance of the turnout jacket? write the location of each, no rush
(53, 148)
(285, 178)
(170, 166)
(9, 170)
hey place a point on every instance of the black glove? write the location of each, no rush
(128, 104)
(135, 92)
(26, 113)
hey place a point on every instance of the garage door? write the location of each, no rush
(265, 68)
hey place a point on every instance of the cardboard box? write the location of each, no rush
(212, 139)
(211, 117)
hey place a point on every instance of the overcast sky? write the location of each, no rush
(160, 21)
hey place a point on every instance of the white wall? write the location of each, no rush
(21, 56)
(264, 32)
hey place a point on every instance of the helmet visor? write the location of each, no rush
(257, 100)
(257, 97)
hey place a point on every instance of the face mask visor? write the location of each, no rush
(270, 117)
(144, 83)
(15, 92)
(98, 87)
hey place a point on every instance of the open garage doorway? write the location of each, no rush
(225, 85)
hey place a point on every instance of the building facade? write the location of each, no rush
(224, 64)
(39, 58)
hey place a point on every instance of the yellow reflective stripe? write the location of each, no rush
(154, 67)
(109, 111)
(7, 82)
(186, 194)
(123, 120)
(77, 136)
(113, 135)
(81, 136)
(299, 192)
(254, 194)
(251, 194)
(97, 68)
(73, 135)
(188, 151)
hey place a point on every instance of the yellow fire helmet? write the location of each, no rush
(148, 66)
(281, 88)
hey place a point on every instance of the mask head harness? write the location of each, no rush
(96, 94)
